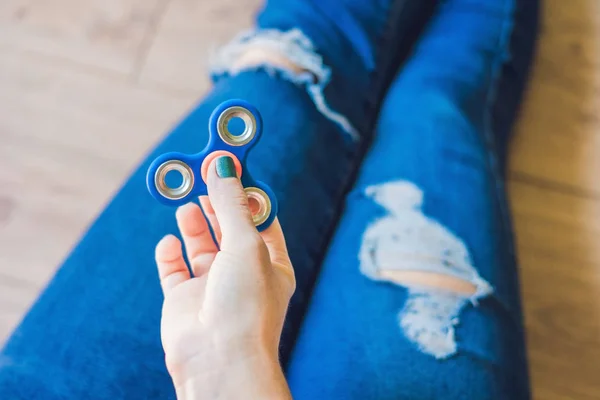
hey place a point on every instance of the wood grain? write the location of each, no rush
(563, 325)
(67, 139)
(106, 34)
(188, 33)
(555, 192)
(558, 138)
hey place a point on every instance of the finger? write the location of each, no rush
(209, 212)
(202, 264)
(280, 259)
(230, 203)
(172, 269)
(199, 244)
(275, 241)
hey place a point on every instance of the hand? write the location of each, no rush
(221, 329)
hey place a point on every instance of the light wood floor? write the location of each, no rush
(86, 87)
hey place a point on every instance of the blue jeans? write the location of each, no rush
(386, 157)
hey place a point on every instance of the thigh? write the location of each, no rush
(94, 332)
(429, 200)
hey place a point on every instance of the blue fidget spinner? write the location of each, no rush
(221, 141)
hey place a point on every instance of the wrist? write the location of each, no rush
(254, 374)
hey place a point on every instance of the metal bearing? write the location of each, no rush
(264, 204)
(249, 126)
(182, 190)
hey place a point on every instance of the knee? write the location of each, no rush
(289, 53)
(411, 250)
(430, 281)
(255, 56)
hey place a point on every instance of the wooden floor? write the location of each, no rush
(86, 88)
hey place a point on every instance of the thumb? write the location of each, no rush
(229, 202)
(234, 280)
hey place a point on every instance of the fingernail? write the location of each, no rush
(225, 167)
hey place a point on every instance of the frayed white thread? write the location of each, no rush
(428, 319)
(407, 240)
(300, 51)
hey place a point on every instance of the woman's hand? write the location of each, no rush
(221, 329)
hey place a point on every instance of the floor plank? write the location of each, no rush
(101, 33)
(557, 236)
(188, 33)
(563, 326)
(558, 139)
(16, 295)
(557, 224)
(60, 158)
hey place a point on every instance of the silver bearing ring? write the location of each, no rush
(264, 204)
(249, 126)
(182, 190)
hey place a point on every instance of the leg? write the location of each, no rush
(418, 297)
(94, 332)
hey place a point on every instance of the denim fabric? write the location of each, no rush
(364, 41)
(429, 197)
(94, 332)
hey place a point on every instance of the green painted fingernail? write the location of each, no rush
(225, 167)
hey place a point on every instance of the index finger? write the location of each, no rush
(275, 241)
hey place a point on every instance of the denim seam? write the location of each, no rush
(503, 56)
(496, 72)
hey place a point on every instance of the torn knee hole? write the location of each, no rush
(409, 249)
(291, 51)
(429, 280)
(256, 56)
(292, 55)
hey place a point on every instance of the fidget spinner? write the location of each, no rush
(192, 169)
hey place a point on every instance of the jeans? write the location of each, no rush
(386, 156)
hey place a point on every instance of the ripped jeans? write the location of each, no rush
(386, 150)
